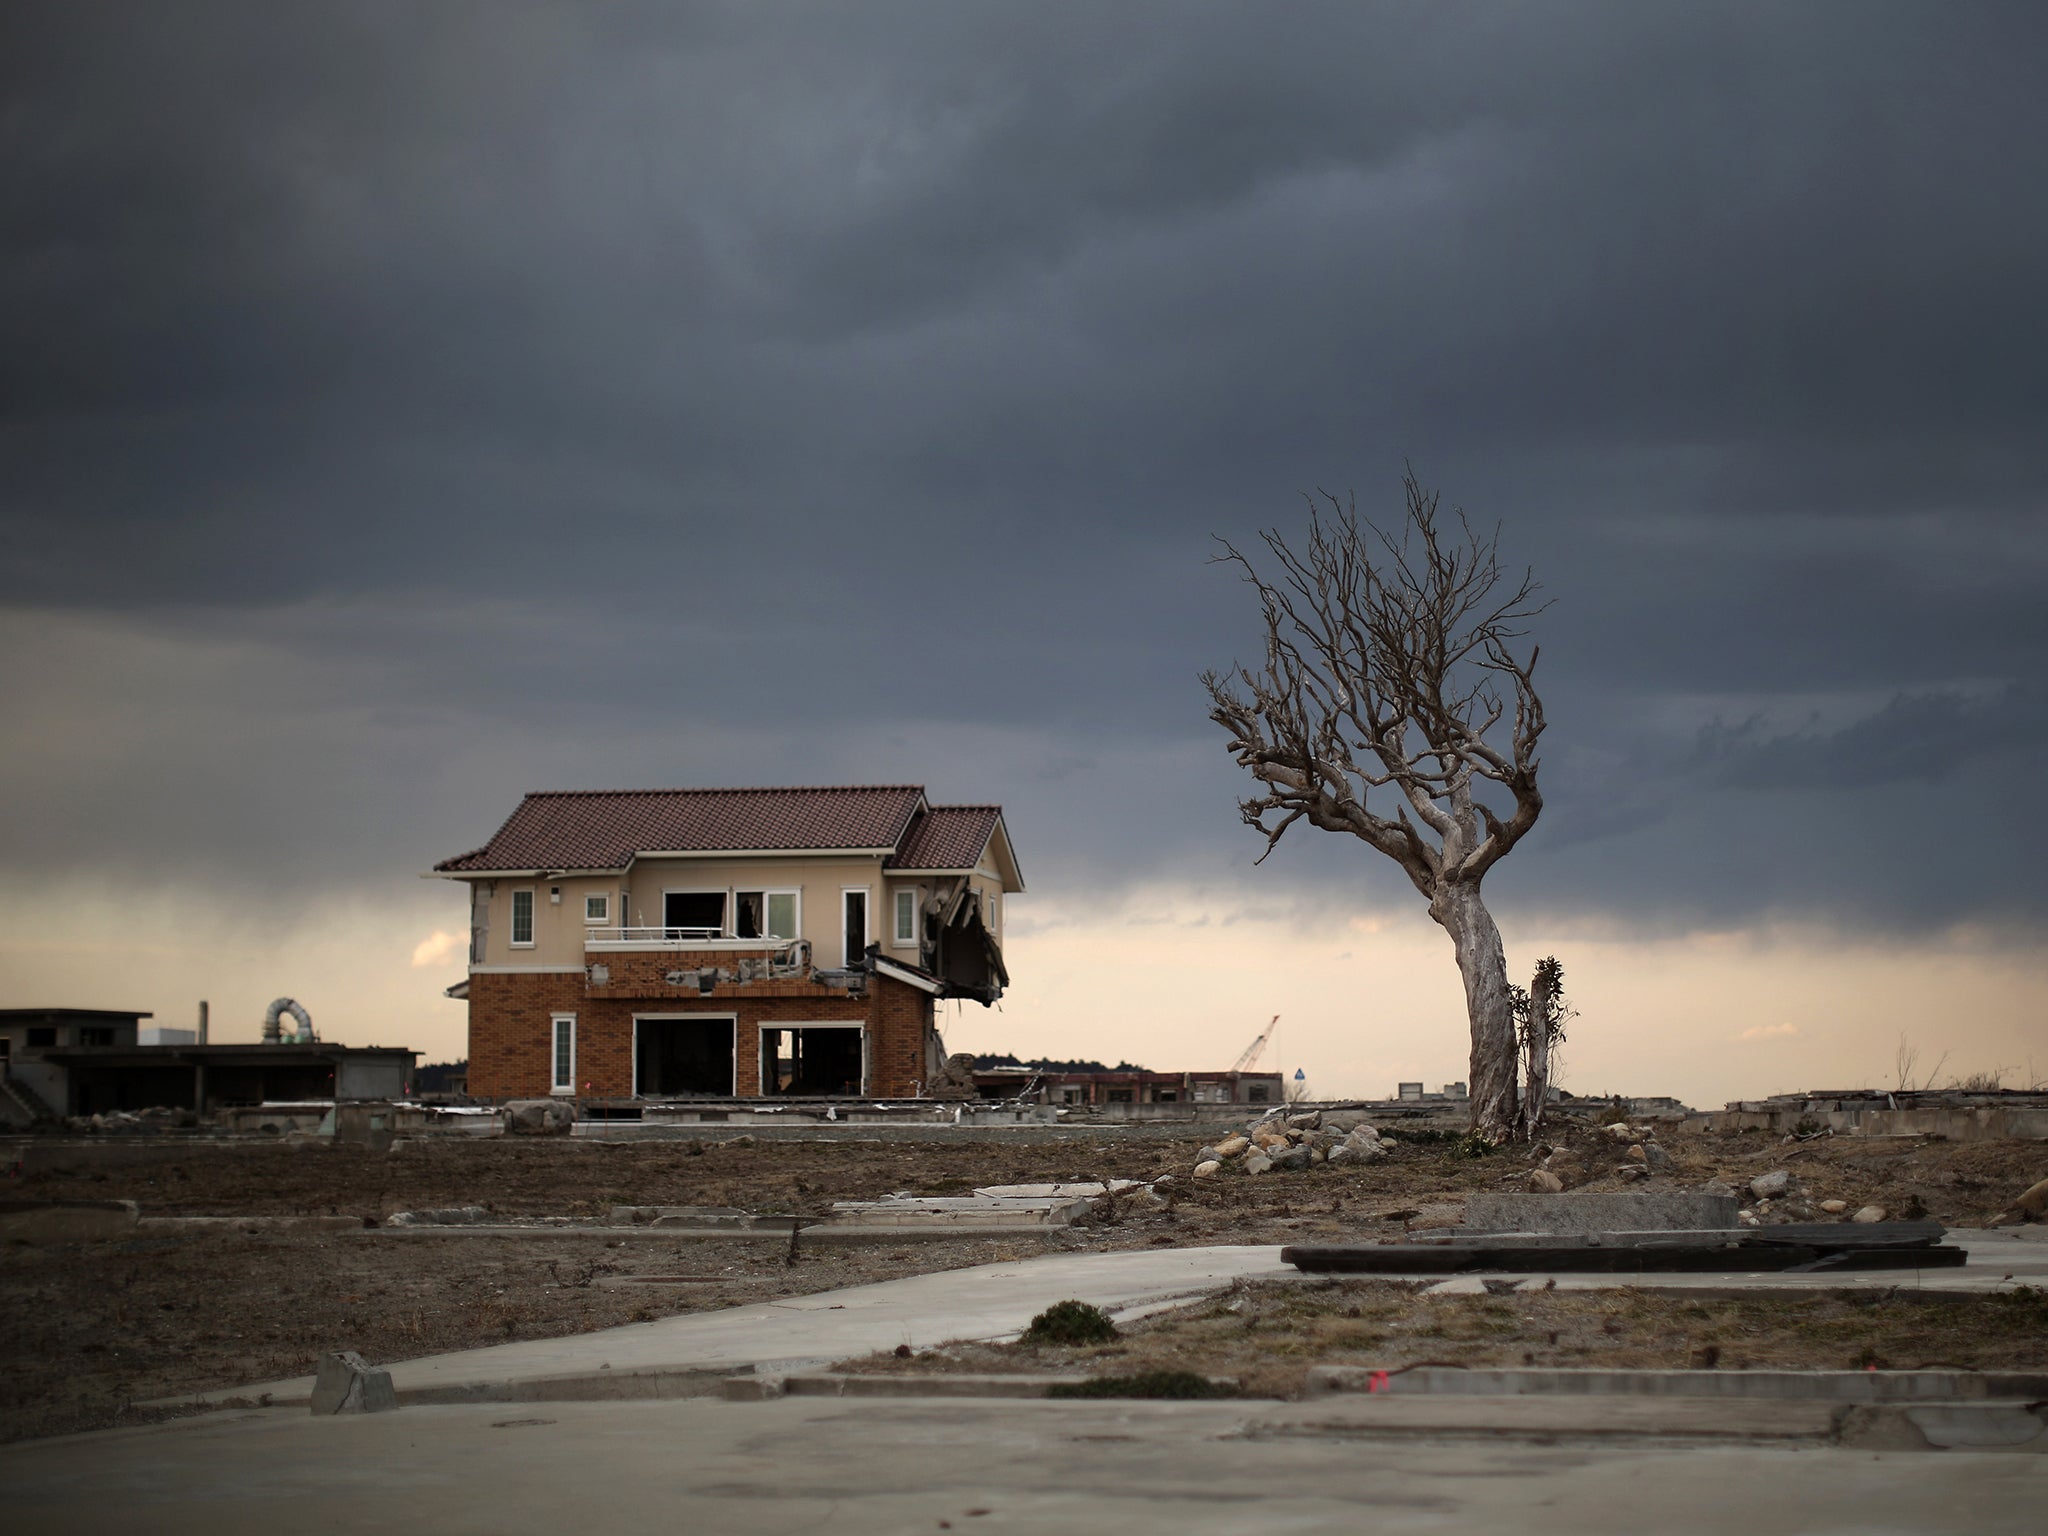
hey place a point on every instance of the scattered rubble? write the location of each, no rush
(1289, 1140)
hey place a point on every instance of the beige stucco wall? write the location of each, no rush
(636, 901)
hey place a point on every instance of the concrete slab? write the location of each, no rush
(1627, 1211)
(880, 1467)
(989, 1301)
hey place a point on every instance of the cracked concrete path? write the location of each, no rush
(988, 1301)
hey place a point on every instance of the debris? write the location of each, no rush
(1871, 1213)
(347, 1383)
(1542, 1181)
(450, 1216)
(1208, 1169)
(1257, 1162)
(1766, 1185)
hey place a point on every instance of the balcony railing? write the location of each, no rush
(596, 937)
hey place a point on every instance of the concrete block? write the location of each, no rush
(1574, 1211)
(347, 1383)
(70, 1221)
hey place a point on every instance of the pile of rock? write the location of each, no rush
(1779, 1197)
(1282, 1141)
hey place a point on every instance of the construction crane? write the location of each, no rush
(1251, 1052)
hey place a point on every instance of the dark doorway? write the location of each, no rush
(683, 1058)
(815, 1062)
(693, 914)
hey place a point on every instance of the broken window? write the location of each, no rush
(522, 919)
(856, 907)
(693, 914)
(683, 1058)
(1119, 1095)
(764, 914)
(813, 1060)
(1255, 1094)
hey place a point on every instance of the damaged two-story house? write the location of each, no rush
(728, 943)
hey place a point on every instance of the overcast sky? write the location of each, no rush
(403, 407)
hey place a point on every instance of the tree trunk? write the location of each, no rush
(1536, 1095)
(1484, 968)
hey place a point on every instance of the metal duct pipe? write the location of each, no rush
(273, 1030)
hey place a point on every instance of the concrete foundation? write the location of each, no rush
(1633, 1211)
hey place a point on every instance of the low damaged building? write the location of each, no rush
(728, 943)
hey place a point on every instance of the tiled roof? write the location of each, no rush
(947, 837)
(603, 829)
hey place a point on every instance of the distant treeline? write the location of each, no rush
(1046, 1064)
(440, 1076)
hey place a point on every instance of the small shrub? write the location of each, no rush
(1613, 1114)
(1070, 1322)
(1177, 1384)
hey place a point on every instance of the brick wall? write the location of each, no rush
(510, 1026)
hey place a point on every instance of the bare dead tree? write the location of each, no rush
(1541, 1014)
(1388, 662)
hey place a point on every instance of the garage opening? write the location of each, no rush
(683, 1058)
(813, 1060)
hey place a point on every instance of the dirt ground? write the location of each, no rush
(91, 1329)
(1265, 1336)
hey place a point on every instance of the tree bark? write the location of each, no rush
(1481, 962)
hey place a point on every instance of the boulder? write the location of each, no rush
(1659, 1160)
(540, 1117)
(347, 1383)
(1871, 1213)
(1542, 1181)
(2034, 1201)
(1343, 1120)
(1311, 1120)
(1293, 1159)
(1208, 1170)
(1232, 1145)
(1765, 1185)
(1834, 1207)
(1718, 1187)
(1257, 1162)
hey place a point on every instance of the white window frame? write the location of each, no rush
(730, 1019)
(867, 921)
(760, 1039)
(795, 892)
(532, 919)
(900, 938)
(557, 1023)
(724, 892)
(991, 915)
(603, 914)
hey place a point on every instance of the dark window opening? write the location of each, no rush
(811, 1062)
(693, 914)
(94, 1035)
(1166, 1096)
(748, 915)
(42, 1034)
(856, 927)
(1119, 1095)
(683, 1058)
(1255, 1093)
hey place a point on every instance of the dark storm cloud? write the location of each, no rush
(437, 402)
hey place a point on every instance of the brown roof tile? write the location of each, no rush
(947, 837)
(603, 829)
